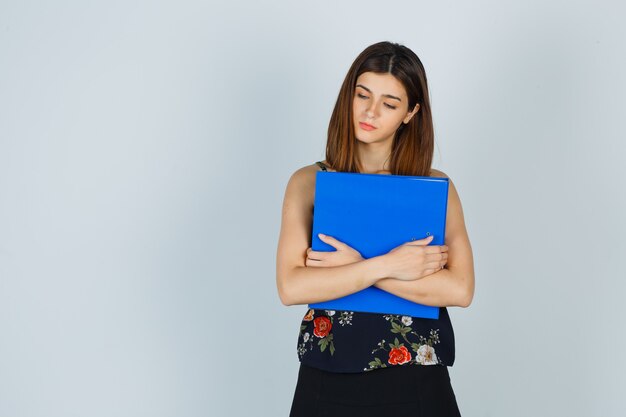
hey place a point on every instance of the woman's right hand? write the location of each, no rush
(415, 259)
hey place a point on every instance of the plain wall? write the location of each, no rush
(144, 152)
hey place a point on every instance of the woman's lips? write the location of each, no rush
(365, 126)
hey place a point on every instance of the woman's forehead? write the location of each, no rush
(381, 84)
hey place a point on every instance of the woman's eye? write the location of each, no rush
(364, 96)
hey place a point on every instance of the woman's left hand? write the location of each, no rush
(343, 255)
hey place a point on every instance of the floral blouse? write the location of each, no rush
(348, 341)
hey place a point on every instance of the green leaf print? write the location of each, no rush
(323, 343)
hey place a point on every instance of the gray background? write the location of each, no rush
(144, 152)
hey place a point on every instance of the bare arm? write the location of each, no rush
(441, 289)
(453, 285)
(313, 285)
(297, 283)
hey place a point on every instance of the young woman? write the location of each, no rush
(354, 363)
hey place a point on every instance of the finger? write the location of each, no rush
(432, 264)
(335, 243)
(339, 245)
(312, 262)
(436, 249)
(420, 242)
(437, 257)
(434, 268)
(318, 255)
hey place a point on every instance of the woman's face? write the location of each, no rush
(379, 106)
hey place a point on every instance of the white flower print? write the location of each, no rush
(306, 336)
(345, 317)
(330, 312)
(407, 320)
(301, 350)
(426, 355)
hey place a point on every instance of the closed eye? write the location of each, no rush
(388, 105)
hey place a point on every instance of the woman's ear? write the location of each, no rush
(411, 114)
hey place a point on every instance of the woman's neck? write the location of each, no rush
(375, 157)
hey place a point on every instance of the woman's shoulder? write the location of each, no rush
(307, 172)
(437, 173)
(303, 178)
(300, 188)
(441, 174)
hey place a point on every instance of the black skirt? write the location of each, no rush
(399, 391)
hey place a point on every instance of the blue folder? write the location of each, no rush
(374, 213)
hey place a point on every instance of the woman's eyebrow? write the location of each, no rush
(384, 95)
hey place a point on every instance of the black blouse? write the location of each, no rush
(350, 341)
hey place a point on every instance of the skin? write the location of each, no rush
(426, 274)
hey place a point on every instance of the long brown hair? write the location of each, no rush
(413, 143)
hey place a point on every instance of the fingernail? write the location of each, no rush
(321, 235)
